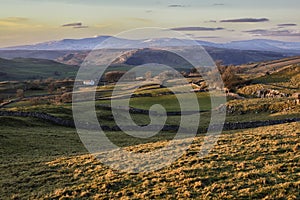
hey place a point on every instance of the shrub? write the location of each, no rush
(20, 93)
(113, 76)
(230, 78)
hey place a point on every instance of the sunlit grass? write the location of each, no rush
(249, 164)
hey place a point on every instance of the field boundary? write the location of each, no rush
(133, 110)
(70, 123)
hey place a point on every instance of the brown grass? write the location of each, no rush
(260, 163)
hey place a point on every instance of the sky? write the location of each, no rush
(33, 21)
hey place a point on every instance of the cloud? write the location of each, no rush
(246, 20)
(276, 33)
(210, 21)
(290, 24)
(75, 25)
(196, 28)
(72, 24)
(13, 21)
(176, 6)
(218, 4)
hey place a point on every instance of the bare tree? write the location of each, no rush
(230, 78)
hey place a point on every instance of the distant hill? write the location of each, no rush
(74, 51)
(149, 55)
(66, 44)
(31, 68)
(238, 57)
(264, 45)
(90, 43)
(39, 54)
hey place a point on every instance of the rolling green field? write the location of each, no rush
(40, 160)
(260, 163)
(44, 161)
(31, 69)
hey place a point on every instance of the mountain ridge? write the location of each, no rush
(148, 55)
(93, 42)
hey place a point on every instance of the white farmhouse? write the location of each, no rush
(89, 82)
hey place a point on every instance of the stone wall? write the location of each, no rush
(85, 125)
(39, 115)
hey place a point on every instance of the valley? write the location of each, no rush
(253, 161)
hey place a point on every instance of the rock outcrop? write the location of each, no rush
(268, 93)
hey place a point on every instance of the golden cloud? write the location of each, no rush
(13, 21)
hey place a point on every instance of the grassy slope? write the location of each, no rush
(283, 75)
(254, 163)
(285, 80)
(24, 69)
(261, 68)
(252, 109)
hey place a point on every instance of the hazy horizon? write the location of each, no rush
(31, 21)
